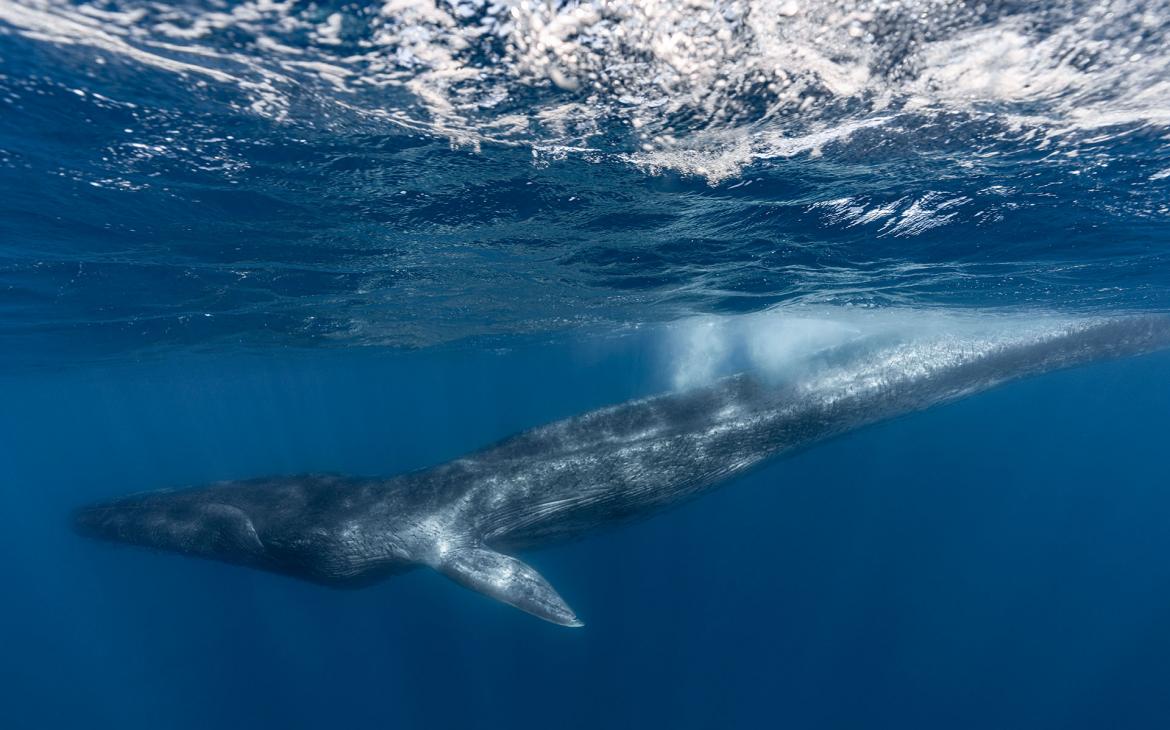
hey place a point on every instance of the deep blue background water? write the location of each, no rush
(244, 238)
(1000, 562)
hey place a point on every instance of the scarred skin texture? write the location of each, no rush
(576, 476)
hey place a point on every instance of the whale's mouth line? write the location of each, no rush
(174, 527)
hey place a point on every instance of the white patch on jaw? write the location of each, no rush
(350, 532)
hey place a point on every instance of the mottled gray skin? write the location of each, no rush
(576, 476)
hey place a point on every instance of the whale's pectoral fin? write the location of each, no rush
(506, 579)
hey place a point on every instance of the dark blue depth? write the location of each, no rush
(1000, 562)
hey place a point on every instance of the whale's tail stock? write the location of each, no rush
(1125, 335)
(1086, 341)
(1076, 342)
(894, 365)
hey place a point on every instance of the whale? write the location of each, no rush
(470, 518)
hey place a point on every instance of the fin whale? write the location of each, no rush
(468, 517)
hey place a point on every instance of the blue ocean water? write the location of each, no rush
(270, 237)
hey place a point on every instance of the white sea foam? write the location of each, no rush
(704, 87)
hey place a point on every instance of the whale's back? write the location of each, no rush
(627, 461)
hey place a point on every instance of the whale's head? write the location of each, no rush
(327, 529)
(303, 526)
